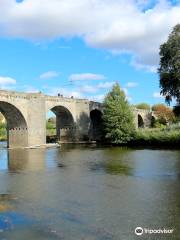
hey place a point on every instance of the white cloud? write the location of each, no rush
(144, 67)
(95, 88)
(88, 89)
(132, 84)
(49, 75)
(125, 91)
(85, 76)
(128, 97)
(157, 95)
(7, 82)
(98, 98)
(116, 25)
(105, 85)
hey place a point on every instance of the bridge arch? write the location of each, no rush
(17, 129)
(96, 124)
(140, 121)
(64, 123)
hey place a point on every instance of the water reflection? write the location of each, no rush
(87, 192)
(19, 160)
(116, 167)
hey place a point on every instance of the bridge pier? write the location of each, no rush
(36, 121)
(17, 137)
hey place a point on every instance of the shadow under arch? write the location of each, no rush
(153, 121)
(95, 131)
(17, 129)
(140, 121)
(65, 125)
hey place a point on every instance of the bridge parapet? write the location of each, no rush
(20, 95)
(65, 99)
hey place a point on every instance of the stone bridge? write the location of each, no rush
(76, 119)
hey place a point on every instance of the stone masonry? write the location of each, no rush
(76, 119)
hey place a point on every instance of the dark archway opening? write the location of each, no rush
(96, 125)
(16, 126)
(61, 123)
(153, 121)
(140, 122)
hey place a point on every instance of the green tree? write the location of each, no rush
(169, 70)
(143, 106)
(51, 126)
(118, 117)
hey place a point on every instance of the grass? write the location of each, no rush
(169, 135)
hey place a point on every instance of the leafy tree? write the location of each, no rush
(52, 120)
(118, 117)
(143, 106)
(2, 119)
(165, 114)
(3, 132)
(169, 70)
(51, 126)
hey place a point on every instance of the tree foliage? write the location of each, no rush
(165, 114)
(51, 126)
(2, 119)
(169, 70)
(118, 117)
(144, 106)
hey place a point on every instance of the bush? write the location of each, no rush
(144, 106)
(165, 136)
(50, 128)
(164, 114)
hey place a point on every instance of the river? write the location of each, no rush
(80, 192)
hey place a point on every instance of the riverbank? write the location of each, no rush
(167, 136)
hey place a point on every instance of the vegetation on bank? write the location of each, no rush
(3, 132)
(143, 106)
(119, 125)
(164, 136)
(50, 127)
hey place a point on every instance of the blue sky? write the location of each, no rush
(53, 51)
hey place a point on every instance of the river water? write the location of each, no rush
(80, 192)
